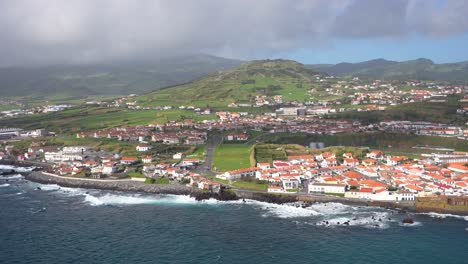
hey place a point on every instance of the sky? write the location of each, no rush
(37, 32)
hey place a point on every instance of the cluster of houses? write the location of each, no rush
(167, 134)
(375, 177)
(34, 110)
(424, 128)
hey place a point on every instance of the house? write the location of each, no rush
(142, 148)
(237, 137)
(128, 160)
(369, 162)
(147, 159)
(350, 162)
(178, 156)
(290, 183)
(275, 189)
(108, 168)
(393, 161)
(263, 165)
(458, 167)
(240, 173)
(316, 187)
(375, 154)
(194, 141)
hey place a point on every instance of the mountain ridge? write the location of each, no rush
(419, 69)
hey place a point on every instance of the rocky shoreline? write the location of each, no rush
(223, 195)
(112, 185)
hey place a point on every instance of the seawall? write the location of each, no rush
(113, 185)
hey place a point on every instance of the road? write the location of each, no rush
(214, 139)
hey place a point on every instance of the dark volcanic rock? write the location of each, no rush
(407, 220)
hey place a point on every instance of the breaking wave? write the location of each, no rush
(16, 176)
(17, 169)
(4, 185)
(443, 216)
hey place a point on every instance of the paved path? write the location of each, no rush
(214, 139)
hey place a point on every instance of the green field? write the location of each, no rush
(379, 140)
(198, 153)
(271, 152)
(422, 111)
(231, 156)
(92, 118)
(290, 79)
(250, 185)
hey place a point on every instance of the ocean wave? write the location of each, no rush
(414, 224)
(443, 216)
(16, 176)
(4, 185)
(127, 199)
(17, 169)
(374, 220)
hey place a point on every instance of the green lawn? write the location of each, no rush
(245, 184)
(231, 156)
(198, 153)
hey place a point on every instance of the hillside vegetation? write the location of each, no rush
(419, 69)
(288, 78)
(118, 78)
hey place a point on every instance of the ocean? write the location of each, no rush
(51, 224)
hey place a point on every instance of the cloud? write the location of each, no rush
(56, 31)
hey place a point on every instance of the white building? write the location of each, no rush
(142, 148)
(61, 156)
(326, 188)
(74, 149)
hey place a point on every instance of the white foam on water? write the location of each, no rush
(374, 220)
(4, 185)
(18, 169)
(49, 187)
(443, 216)
(284, 210)
(128, 199)
(414, 224)
(16, 176)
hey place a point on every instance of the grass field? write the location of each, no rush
(231, 156)
(422, 111)
(198, 153)
(287, 78)
(270, 152)
(251, 185)
(389, 141)
(92, 118)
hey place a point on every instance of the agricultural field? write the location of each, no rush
(270, 152)
(290, 79)
(231, 156)
(92, 118)
(379, 140)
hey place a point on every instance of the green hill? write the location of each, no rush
(288, 78)
(118, 78)
(419, 69)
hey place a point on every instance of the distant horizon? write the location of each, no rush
(147, 60)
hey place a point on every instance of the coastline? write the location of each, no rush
(136, 186)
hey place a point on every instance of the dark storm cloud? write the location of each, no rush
(56, 31)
